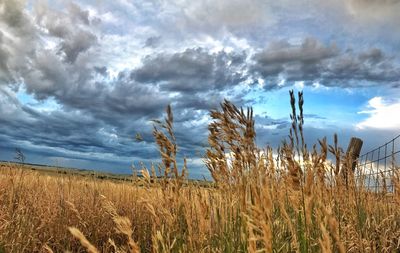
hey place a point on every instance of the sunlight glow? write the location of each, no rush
(381, 114)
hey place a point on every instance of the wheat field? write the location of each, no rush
(293, 199)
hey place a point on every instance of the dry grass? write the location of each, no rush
(294, 201)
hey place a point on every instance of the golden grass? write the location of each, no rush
(294, 201)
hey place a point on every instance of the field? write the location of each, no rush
(293, 199)
(59, 171)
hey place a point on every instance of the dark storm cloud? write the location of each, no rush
(70, 131)
(113, 102)
(101, 70)
(68, 71)
(372, 56)
(54, 129)
(128, 96)
(4, 55)
(88, 118)
(76, 44)
(12, 15)
(45, 70)
(17, 39)
(73, 28)
(310, 51)
(94, 112)
(312, 61)
(193, 70)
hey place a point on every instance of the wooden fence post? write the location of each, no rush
(352, 153)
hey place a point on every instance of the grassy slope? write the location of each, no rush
(52, 170)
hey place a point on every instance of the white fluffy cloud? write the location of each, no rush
(382, 114)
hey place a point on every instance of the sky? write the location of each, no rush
(79, 79)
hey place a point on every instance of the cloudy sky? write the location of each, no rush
(79, 79)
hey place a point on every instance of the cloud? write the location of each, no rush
(52, 54)
(97, 113)
(313, 62)
(77, 135)
(77, 44)
(281, 60)
(73, 28)
(40, 49)
(192, 70)
(112, 66)
(17, 39)
(74, 133)
(313, 116)
(9, 106)
(4, 55)
(12, 14)
(153, 41)
(226, 13)
(381, 114)
(77, 14)
(309, 51)
(375, 10)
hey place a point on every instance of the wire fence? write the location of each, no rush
(377, 167)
